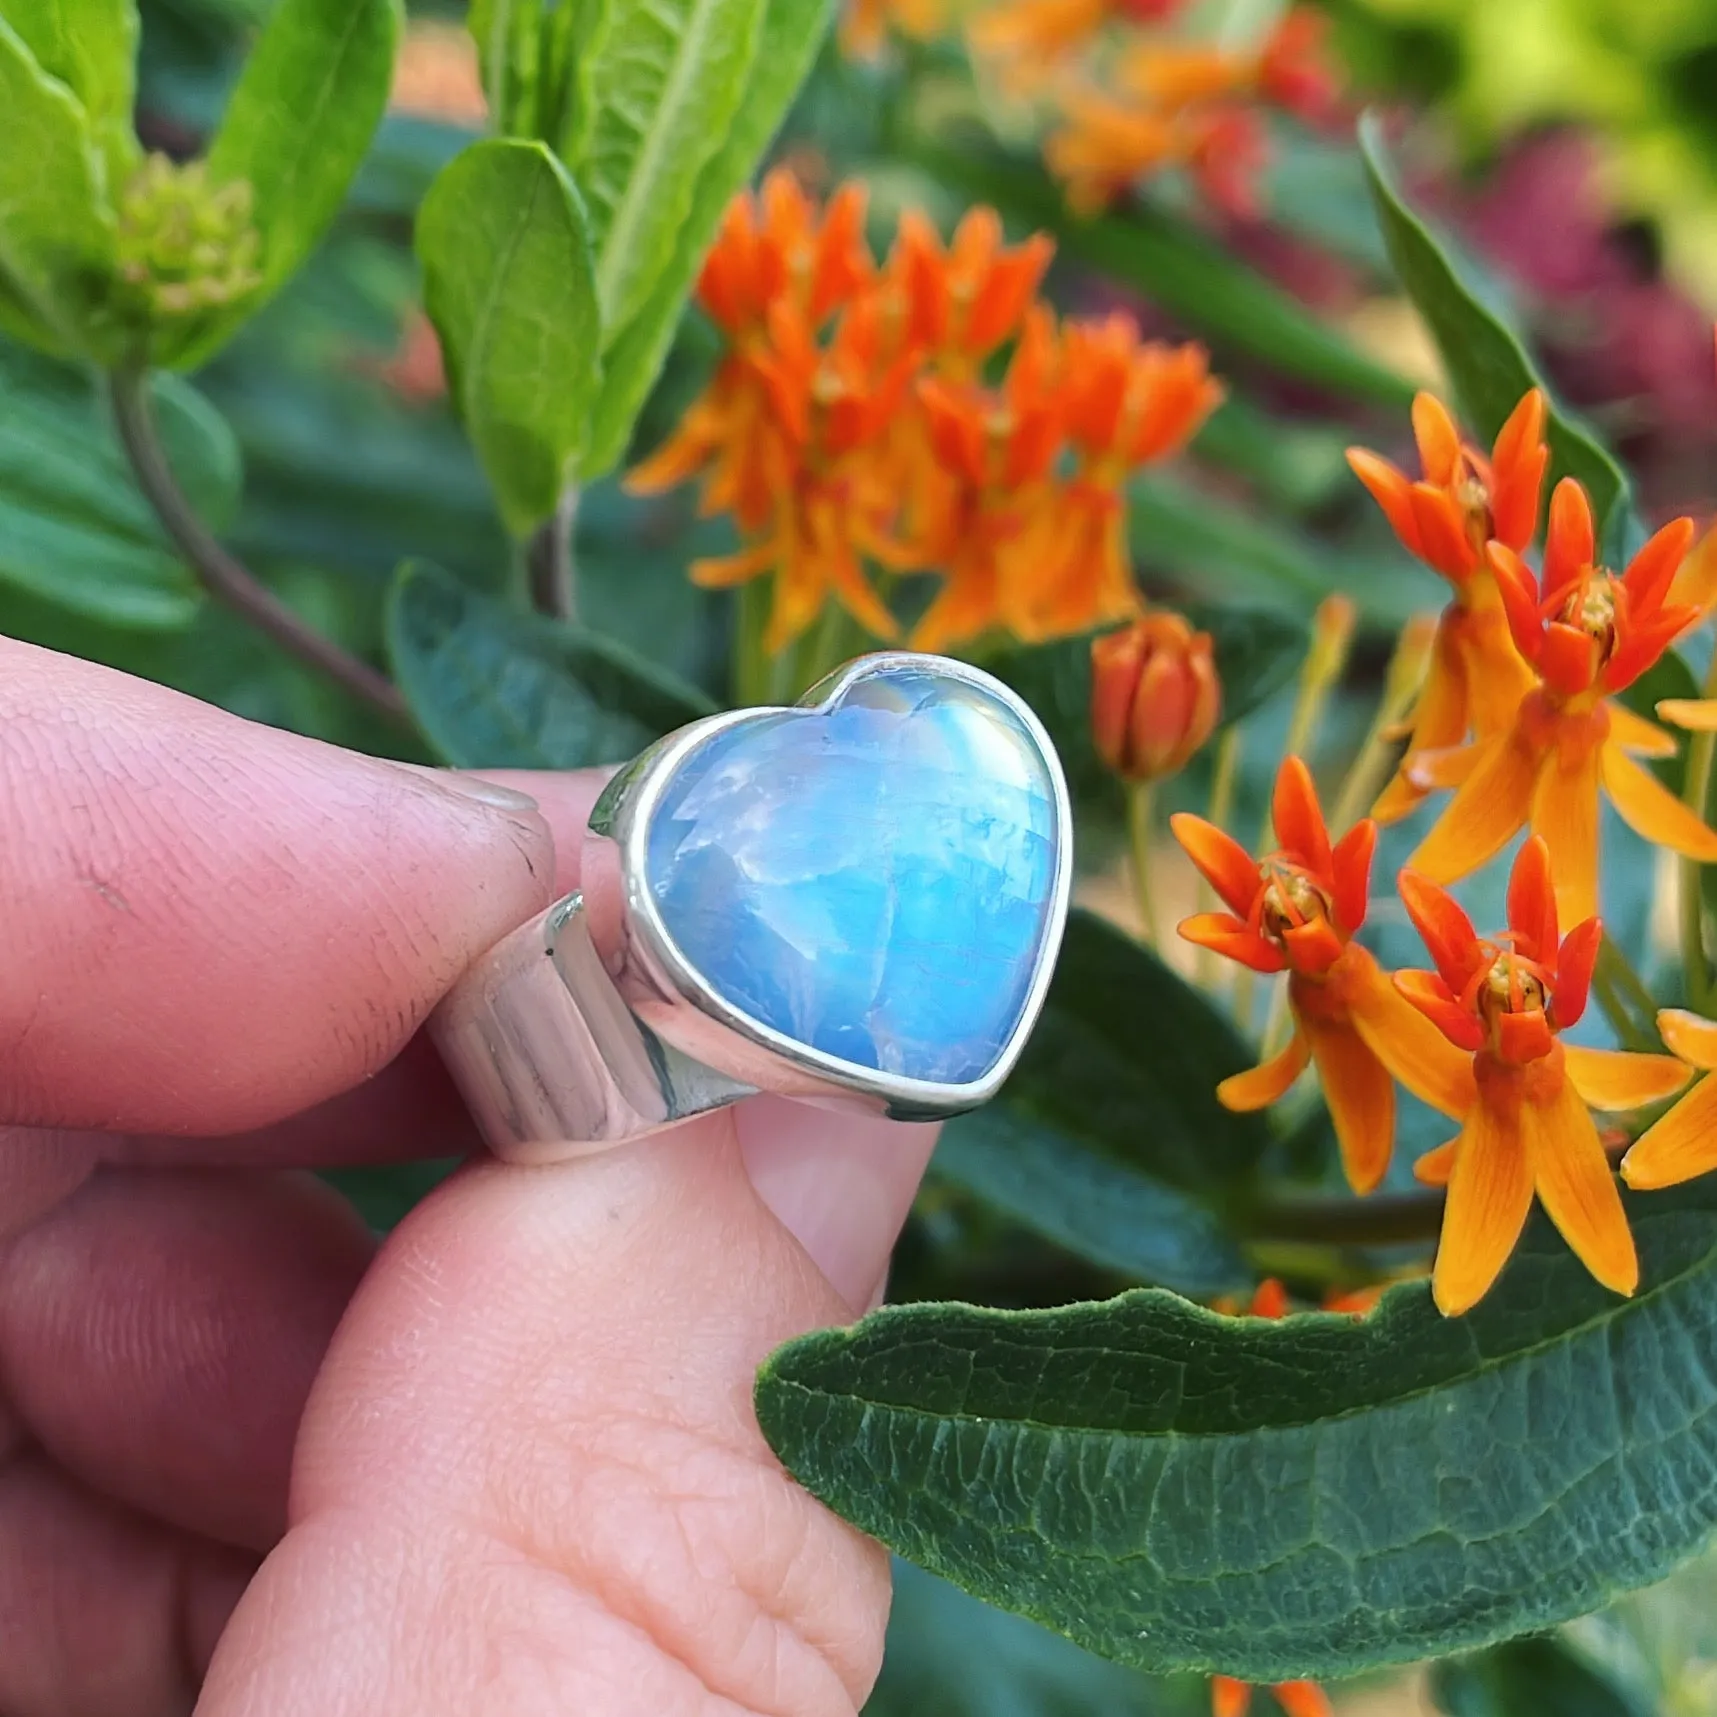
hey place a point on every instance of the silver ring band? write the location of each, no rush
(912, 797)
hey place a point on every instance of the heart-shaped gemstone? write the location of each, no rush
(875, 877)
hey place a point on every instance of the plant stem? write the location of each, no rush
(223, 575)
(750, 661)
(1622, 994)
(553, 570)
(1696, 792)
(1140, 799)
(1402, 681)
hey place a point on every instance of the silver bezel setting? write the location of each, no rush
(671, 996)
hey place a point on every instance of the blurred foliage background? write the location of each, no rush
(1571, 143)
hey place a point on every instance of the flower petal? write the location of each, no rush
(1432, 997)
(1389, 489)
(1691, 1036)
(1442, 768)
(1360, 1095)
(1435, 1166)
(1299, 819)
(1651, 810)
(1490, 1192)
(1302, 1699)
(1574, 967)
(1313, 947)
(1523, 1037)
(1681, 1146)
(1258, 1087)
(1485, 815)
(1569, 538)
(1652, 570)
(1221, 860)
(1444, 928)
(1232, 939)
(1565, 821)
(1697, 715)
(1576, 1185)
(1518, 463)
(1644, 738)
(1616, 1080)
(1228, 1697)
(1409, 1045)
(1531, 904)
(1351, 866)
(1439, 441)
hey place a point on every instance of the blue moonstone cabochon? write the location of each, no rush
(874, 879)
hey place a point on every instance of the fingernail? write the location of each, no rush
(841, 1184)
(473, 787)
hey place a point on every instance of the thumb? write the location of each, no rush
(530, 1479)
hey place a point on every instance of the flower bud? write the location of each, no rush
(1155, 697)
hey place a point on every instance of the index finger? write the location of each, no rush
(216, 924)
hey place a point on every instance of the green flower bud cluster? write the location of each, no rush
(185, 244)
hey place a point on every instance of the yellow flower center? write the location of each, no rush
(1291, 899)
(1591, 608)
(1511, 986)
(1472, 496)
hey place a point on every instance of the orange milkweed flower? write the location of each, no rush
(1155, 696)
(1504, 1000)
(1125, 403)
(986, 500)
(1683, 1143)
(1231, 1698)
(1587, 633)
(866, 24)
(1028, 37)
(1476, 677)
(1297, 910)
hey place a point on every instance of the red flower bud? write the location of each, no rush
(1155, 697)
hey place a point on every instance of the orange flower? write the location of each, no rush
(1464, 500)
(1683, 1144)
(984, 502)
(1587, 633)
(1155, 697)
(866, 24)
(1297, 910)
(1504, 1001)
(1027, 38)
(1231, 1698)
(1125, 404)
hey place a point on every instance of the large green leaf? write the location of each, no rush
(1082, 1198)
(91, 47)
(791, 32)
(1177, 267)
(1524, 1678)
(1128, 1054)
(74, 531)
(667, 78)
(57, 232)
(1485, 357)
(296, 129)
(507, 279)
(496, 689)
(1176, 1489)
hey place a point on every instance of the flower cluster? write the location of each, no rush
(850, 426)
(1519, 718)
(1132, 101)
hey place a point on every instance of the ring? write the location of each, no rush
(856, 900)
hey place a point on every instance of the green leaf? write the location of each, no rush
(1524, 1678)
(296, 129)
(507, 279)
(1484, 356)
(1257, 652)
(1128, 1054)
(91, 47)
(1069, 1191)
(57, 234)
(495, 689)
(1176, 266)
(74, 531)
(791, 32)
(1310, 1497)
(667, 77)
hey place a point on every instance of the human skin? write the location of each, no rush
(506, 1464)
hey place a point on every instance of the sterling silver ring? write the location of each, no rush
(856, 900)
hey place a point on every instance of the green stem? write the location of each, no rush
(553, 570)
(223, 575)
(1627, 1003)
(1696, 792)
(751, 662)
(1140, 800)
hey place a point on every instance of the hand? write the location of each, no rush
(525, 1475)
